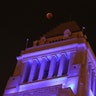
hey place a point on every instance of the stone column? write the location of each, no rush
(90, 74)
(23, 73)
(95, 86)
(42, 68)
(61, 65)
(94, 90)
(52, 67)
(33, 70)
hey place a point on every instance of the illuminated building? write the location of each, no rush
(61, 63)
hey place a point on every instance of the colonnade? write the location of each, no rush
(45, 68)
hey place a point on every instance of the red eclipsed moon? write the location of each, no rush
(49, 15)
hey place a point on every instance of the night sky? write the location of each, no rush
(22, 20)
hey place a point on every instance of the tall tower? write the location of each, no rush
(61, 63)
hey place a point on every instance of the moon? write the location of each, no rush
(49, 15)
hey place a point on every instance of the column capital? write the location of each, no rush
(42, 58)
(54, 56)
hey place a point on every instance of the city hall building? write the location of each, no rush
(61, 63)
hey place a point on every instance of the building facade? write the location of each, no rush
(61, 63)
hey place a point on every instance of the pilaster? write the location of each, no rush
(52, 66)
(62, 65)
(33, 70)
(42, 68)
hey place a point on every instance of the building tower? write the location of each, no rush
(61, 63)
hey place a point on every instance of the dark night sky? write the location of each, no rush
(19, 20)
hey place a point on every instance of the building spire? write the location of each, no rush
(27, 40)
